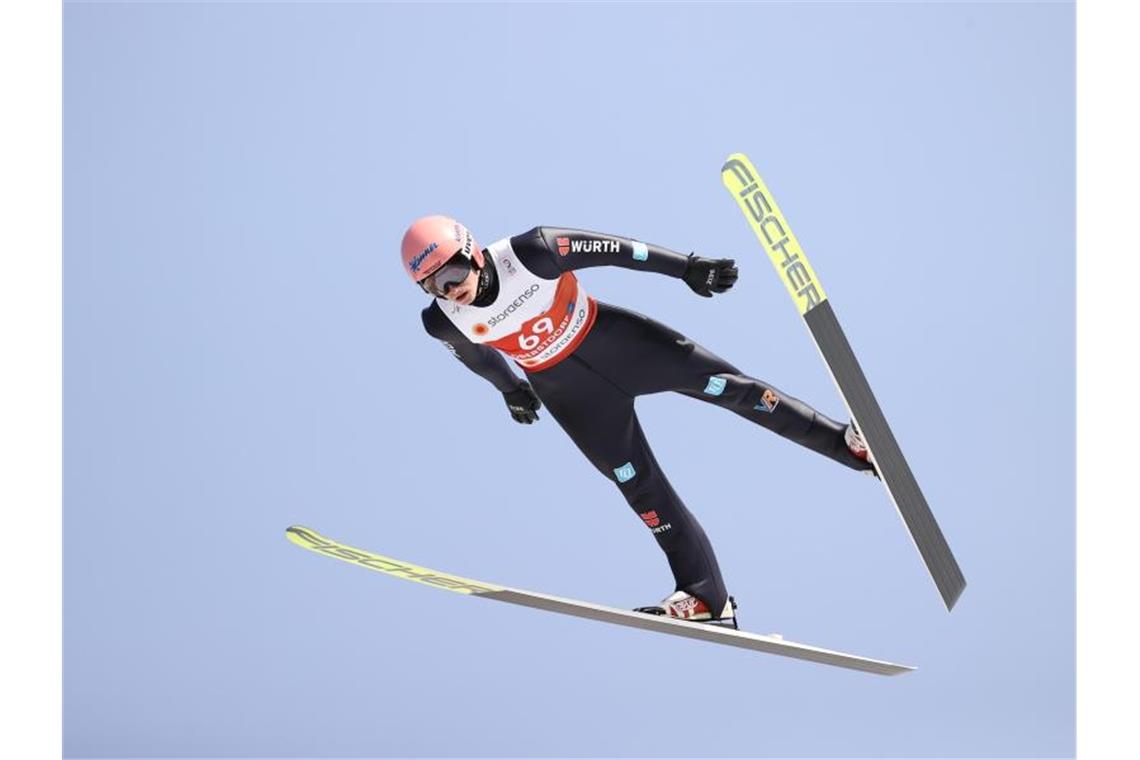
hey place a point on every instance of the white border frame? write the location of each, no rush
(31, 324)
(1107, 440)
(31, 381)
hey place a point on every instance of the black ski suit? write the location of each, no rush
(591, 395)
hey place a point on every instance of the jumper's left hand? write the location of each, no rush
(708, 276)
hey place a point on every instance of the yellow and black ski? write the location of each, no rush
(778, 241)
(771, 643)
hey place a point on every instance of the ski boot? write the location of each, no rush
(858, 447)
(684, 606)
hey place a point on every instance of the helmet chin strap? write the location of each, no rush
(487, 280)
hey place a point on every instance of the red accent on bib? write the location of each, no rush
(528, 343)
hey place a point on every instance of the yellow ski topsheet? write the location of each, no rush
(315, 542)
(773, 231)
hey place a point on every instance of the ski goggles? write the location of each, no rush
(453, 272)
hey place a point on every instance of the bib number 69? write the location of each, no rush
(528, 342)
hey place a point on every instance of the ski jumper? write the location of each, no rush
(588, 362)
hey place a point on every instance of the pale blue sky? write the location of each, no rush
(242, 353)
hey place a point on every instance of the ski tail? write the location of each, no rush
(887, 456)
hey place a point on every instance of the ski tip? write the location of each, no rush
(301, 535)
(736, 171)
(734, 158)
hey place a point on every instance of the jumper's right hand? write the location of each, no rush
(523, 403)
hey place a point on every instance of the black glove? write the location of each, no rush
(523, 403)
(708, 276)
